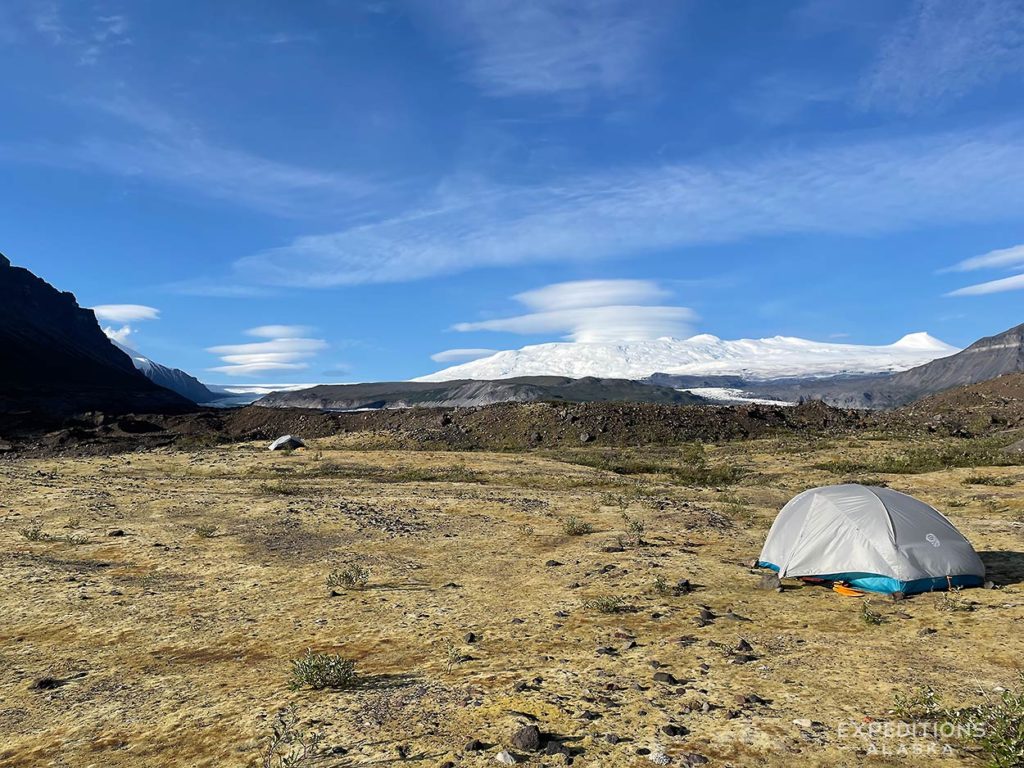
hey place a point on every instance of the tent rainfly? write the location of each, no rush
(286, 443)
(871, 539)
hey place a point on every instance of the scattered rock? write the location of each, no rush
(665, 677)
(475, 746)
(926, 631)
(553, 564)
(694, 759)
(769, 582)
(115, 533)
(506, 758)
(527, 738)
(556, 748)
(586, 437)
(744, 646)
(674, 730)
(803, 722)
(46, 684)
(659, 758)
(471, 638)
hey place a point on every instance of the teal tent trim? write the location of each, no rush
(886, 585)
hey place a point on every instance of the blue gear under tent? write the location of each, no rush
(871, 539)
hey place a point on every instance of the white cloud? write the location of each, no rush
(288, 353)
(461, 355)
(125, 313)
(1004, 257)
(1011, 259)
(88, 39)
(1015, 283)
(945, 48)
(280, 331)
(151, 145)
(591, 313)
(861, 189)
(544, 47)
(120, 335)
(592, 293)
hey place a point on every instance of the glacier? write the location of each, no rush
(702, 355)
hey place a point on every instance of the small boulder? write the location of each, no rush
(769, 582)
(506, 758)
(117, 532)
(527, 738)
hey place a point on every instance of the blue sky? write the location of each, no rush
(355, 187)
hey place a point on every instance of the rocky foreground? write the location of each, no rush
(590, 606)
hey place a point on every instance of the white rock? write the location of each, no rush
(506, 758)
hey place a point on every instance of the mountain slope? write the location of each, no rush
(406, 394)
(749, 359)
(54, 359)
(985, 359)
(174, 379)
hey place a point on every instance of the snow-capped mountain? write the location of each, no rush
(704, 355)
(173, 379)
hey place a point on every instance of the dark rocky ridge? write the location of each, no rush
(472, 393)
(55, 360)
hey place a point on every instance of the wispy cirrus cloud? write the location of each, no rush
(287, 352)
(86, 37)
(149, 144)
(862, 188)
(1005, 258)
(594, 310)
(1015, 283)
(550, 47)
(944, 49)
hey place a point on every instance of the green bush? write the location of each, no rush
(289, 745)
(322, 670)
(927, 458)
(606, 604)
(353, 576)
(573, 526)
(995, 727)
(1003, 482)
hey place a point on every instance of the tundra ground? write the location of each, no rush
(502, 589)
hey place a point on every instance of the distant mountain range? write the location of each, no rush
(54, 359)
(406, 394)
(173, 379)
(984, 360)
(705, 355)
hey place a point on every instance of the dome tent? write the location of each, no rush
(873, 539)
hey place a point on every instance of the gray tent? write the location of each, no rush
(286, 443)
(873, 539)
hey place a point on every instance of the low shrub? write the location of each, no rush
(573, 526)
(322, 670)
(606, 604)
(353, 576)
